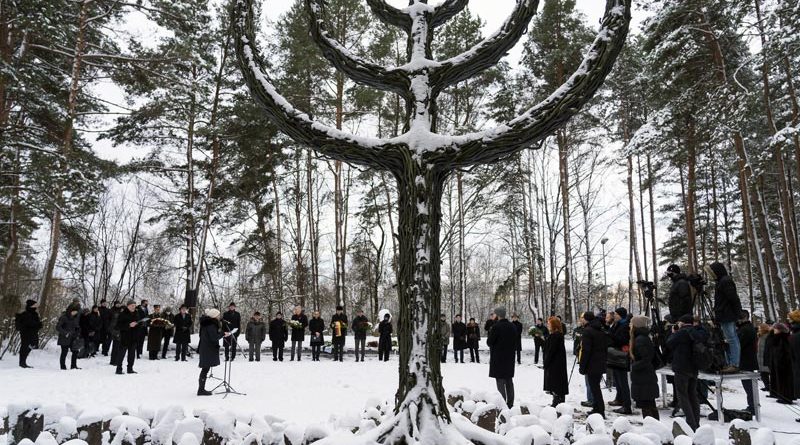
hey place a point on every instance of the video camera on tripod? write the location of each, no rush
(649, 288)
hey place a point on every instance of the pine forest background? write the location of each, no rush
(688, 155)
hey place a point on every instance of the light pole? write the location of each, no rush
(605, 277)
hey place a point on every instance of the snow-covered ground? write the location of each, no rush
(303, 392)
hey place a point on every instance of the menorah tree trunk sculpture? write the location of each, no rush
(421, 160)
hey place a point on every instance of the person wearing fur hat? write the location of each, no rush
(28, 324)
(502, 343)
(781, 377)
(208, 347)
(644, 382)
(129, 332)
(69, 335)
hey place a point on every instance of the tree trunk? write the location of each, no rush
(313, 239)
(462, 260)
(651, 179)
(66, 150)
(563, 158)
(691, 195)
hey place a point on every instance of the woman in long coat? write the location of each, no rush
(781, 380)
(208, 348)
(644, 382)
(556, 381)
(473, 340)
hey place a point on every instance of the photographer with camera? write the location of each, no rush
(727, 309)
(680, 294)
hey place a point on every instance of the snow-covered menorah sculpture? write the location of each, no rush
(421, 159)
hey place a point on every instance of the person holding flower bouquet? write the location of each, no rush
(339, 333)
(278, 334)
(316, 325)
(360, 327)
(298, 324)
(539, 333)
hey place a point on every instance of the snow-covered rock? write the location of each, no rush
(595, 424)
(631, 438)
(704, 436)
(65, 429)
(45, 438)
(653, 426)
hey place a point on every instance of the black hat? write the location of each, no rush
(339, 308)
(621, 311)
(183, 306)
(232, 304)
(588, 316)
(386, 316)
(279, 313)
(688, 319)
(256, 313)
(674, 268)
(30, 303)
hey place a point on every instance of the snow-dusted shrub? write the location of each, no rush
(595, 439)
(595, 424)
(631, 438)
(704, 436)
(65, 429)
(129, 430)
(563, 430)
(653, 426)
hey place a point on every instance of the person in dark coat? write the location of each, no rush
(644, 382)
(129, 331)
(539, 338)
(727, 310)
(385, 339)
(360, 328)
(681, 344)
(169, 331)
(255, 333)
(158, 326)
(316, 328)
(502, 348)
(28, 324)
(794, 343)
(620, 334)
(94, 331)
(113, 331)
(69, 335)
(444, 337)
(515, 321)
(764, 336)
(278, 334)
(554, 361)
(183, 333)
(208, 348)
(473, 340)
(338, 333)
(748, 339)
(298, 333)
(459, 330)
(781, 376)
(489, 323)
(593, 357)
(105, 330)
(231, 322)
(142, 313)
(680, 294)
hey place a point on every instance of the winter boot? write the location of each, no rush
(119, 370)
(201, 388)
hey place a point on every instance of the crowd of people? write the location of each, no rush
(616, 344)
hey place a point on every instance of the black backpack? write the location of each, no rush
(709, 355)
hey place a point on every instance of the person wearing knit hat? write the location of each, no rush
(502, 343)
(208, 347)
(620, 334)
(28, 324)
(644, 382)
(781, 376)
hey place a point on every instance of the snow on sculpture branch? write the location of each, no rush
(488, 52)
(447, 10)
(328, 141)
(358, 69)
(390, 15)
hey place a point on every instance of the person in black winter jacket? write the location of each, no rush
(473, 340)
(502, 348)
(278, 334)
(104, 336)
(385, 339)
(231, 320)
(28, 324)
(620, 335)
(183, 333)
(113, 332)
(255, 333)
(142, 312)
(727, 309)
(794, 343)
(316, 328)
(644, 382)
(489, 323)
(680, 294)
(748, 339)
(515, 321)
(208, 348)
(129, 332)
(298, 333)
(554, 362)
(459, 330)
(539, 339)
(360, 328)
(781, 378)
(94, 324)
(338, 333)
(69, 335)
(681, 344)
(593, 357)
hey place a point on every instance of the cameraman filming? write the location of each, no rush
(680, 295)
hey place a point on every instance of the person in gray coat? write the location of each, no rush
(255, 334)
(69, 335)
(444, 328)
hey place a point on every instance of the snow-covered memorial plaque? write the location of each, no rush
(420, 160)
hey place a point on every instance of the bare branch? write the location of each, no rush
(390, 15)
(328, 141)
(552, 113)
(488, 52)
(360, 70)
(447, 10)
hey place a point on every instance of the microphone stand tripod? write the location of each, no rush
(225, 384)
